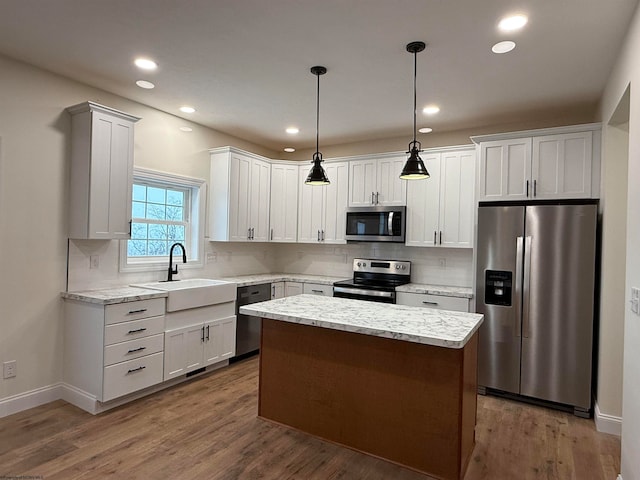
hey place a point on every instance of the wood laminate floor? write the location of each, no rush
(207, 429)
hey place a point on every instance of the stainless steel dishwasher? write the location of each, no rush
(248, 327)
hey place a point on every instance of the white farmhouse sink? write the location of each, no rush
(194, 292)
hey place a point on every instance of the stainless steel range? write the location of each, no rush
(374, 280)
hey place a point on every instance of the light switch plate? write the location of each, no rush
(635, 300)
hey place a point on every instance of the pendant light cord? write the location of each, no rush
(415, 108)
(318, 117)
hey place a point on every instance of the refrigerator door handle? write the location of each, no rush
(526, 287)
(518, 284)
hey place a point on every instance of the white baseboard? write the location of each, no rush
(79, 398)
(33, 398)
(607, 423)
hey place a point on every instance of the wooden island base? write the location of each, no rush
(409, 403)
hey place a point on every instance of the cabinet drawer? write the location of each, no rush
(317, 289)
(127, 377)
(122, 332)
(124, 351)
(426, 300)
(124, 312)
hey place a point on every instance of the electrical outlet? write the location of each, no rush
(211, 257)
(94, 261)
(9, 369)
(635, 300)
(442, 262)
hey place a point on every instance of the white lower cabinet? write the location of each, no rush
(199, 345)
(426, 300)
(318, 289)
(292, 288)
(112, 350)
(277, 290)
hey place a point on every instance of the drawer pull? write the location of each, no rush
(132, 312)
(139, 349)
(317, 291)
(137, 330)
(134, 370)
(430, 303)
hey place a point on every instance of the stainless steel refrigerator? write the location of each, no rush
(535, 283)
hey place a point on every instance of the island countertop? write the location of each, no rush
(441, 328)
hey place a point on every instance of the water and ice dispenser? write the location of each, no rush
(498, 287)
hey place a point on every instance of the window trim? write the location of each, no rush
(196, 215)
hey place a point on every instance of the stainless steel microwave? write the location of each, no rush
(376, 224)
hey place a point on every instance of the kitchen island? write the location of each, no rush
(393, 381)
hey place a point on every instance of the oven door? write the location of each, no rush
(376, 224)
(364, 294)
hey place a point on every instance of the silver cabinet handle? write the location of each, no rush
(526, 287)
(134, 370)
(271, 234)
(318, 235)
(138, 330)
(248, 233)
(440, 237)
(535, 184)
(434, 237)
(377, 200)
(527, 188)
(430, 303)
(322, 235)
(133, 312)
(518, 282)
(202, 334)
(273, 291)
(207, 333)
(317, 291)
(139, 349)
(372, 198)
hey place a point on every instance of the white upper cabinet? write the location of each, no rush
(240, 195)
(376, 181)
(284, 202)
(440, 209)
(557, 163)
(322, 209)
(101, 172)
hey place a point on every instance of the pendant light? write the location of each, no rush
(414, 169)
(317, 175)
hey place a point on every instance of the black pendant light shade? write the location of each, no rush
(317, 175)
(414, 169)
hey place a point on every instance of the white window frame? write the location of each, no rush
(194, 242)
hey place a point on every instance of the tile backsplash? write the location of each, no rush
(438, 266)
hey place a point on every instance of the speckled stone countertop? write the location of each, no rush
(445, 291)
(245, 280)
(114, 295)
(440, 328)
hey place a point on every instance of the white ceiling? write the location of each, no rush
(244, 64)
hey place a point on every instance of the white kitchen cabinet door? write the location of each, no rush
(277, 290)
(101, 172)
(183, 350)
(283, 217)
(260, 197)
(561, 166)
(310, 211)
(505, 169)
(219, 340)
(391, 189)
(441, 302)
(423, 205)
(239, 197)
(292, 288)
(457, 200)
(362, 182)
(334, 222)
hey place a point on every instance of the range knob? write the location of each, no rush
(364, 264)
(398, 267)
(359, 264)
(404, 267)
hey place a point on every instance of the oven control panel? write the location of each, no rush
(381, 266)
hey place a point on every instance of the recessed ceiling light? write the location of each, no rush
(289, 150)
(426, 130)
(145, 64)
(186, 129)
(503, 47)
(292, 130)
(431, 109)
(187, 109)
(514, 22)
(145, 84)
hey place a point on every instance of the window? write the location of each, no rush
(166, 209)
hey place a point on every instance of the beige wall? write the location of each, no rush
(627, 73)
(34, 156)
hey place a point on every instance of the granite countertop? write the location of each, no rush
(440, 328)
(444, 290)
(110, 296)
(246, 280)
